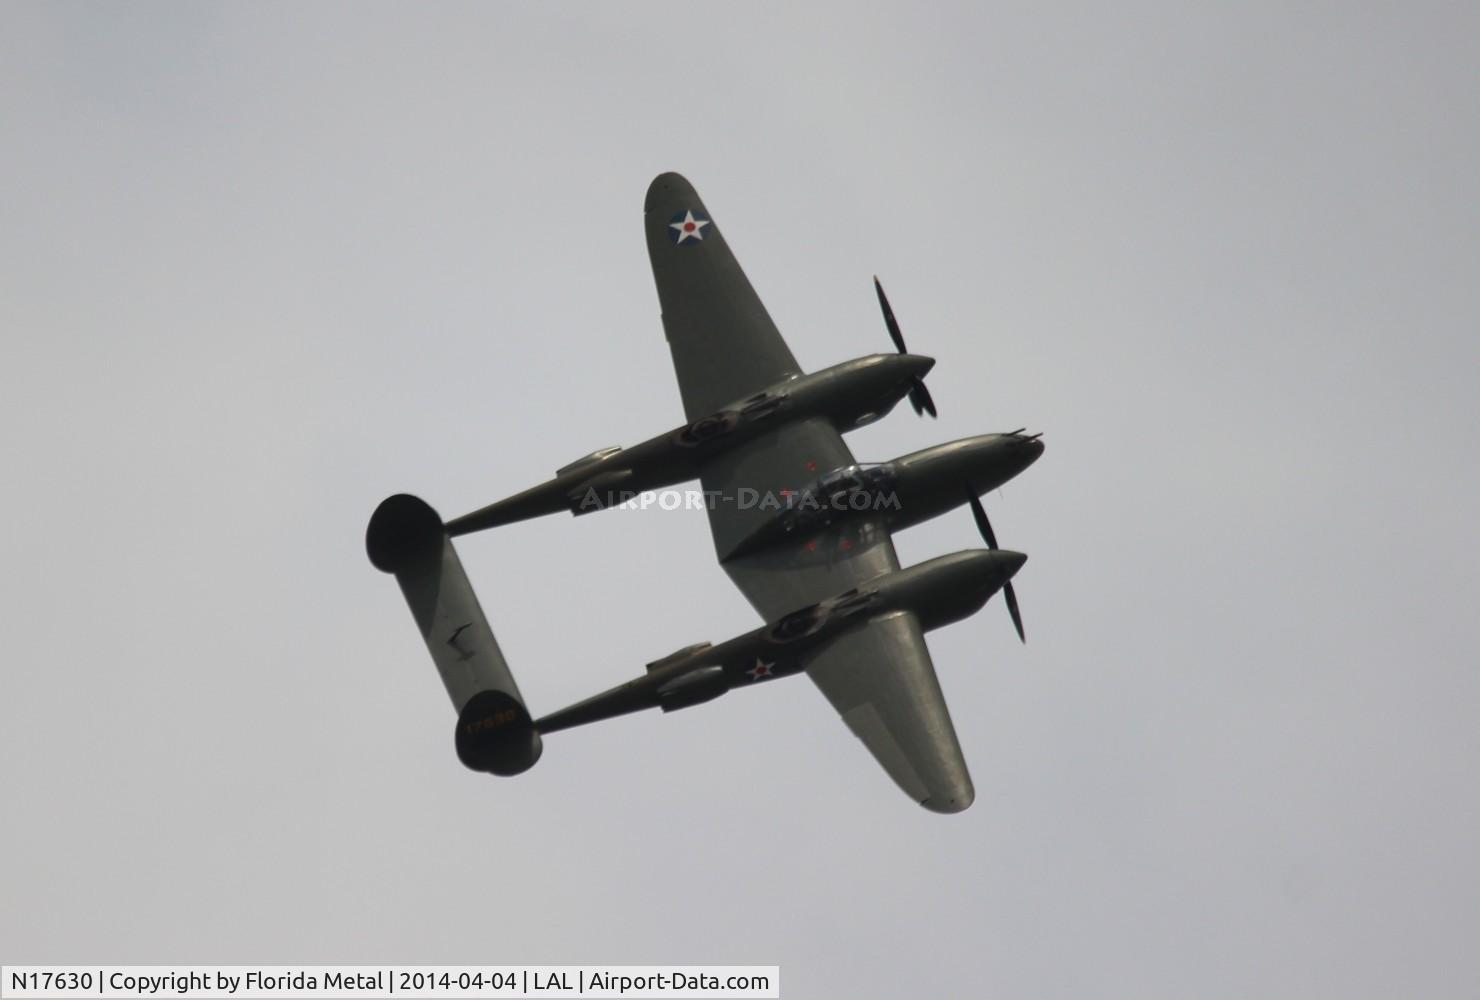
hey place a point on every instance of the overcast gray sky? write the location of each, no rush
(261, 266)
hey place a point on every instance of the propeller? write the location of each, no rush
(985, 527)
(919, 395)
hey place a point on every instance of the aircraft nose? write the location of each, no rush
(916, 364)
(988, 568)
(1009, 562)
(1029, 446)
(1023, 450)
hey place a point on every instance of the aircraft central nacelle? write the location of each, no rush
(903, 492)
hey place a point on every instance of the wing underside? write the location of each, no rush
(723, 342)
(880, 679)
(725, 348)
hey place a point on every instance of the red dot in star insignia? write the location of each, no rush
(689, 227)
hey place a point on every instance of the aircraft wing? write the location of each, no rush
(724, 345)
(880, 679)
(879, 676)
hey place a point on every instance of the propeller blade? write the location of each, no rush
(920, 397)
(1012, 608)
(982, 524)
(889, 319)
(1008, 594)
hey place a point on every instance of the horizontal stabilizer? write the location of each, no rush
(406, 537)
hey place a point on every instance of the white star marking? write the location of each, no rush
(761, 669)
(690, 227)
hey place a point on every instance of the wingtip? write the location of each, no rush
(947, 804)
(666, 186)
(953, 791)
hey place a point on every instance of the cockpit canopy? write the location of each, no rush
(851, 479)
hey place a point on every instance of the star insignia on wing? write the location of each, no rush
(688, 226)
(761, 669)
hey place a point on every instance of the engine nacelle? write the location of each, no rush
(682, 654)
(600, 492)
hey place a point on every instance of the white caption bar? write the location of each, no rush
(246, 982)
